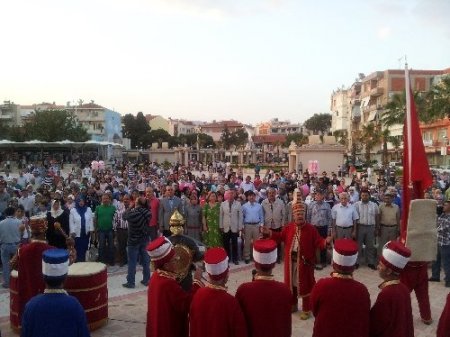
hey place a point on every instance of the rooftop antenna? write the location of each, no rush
(400, 61)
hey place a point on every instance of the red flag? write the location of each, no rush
(416, 171)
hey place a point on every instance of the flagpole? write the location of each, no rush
(408, 120)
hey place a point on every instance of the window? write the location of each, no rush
(427, 135)
(442, 133)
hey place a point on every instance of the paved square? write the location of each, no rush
(128, 307)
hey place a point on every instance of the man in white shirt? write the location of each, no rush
(247, 185)
(368, 214)
(27, 201)
(344, 217)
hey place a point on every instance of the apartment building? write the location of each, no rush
(157, 122)
(364, 101)
(10, 114)
(215, 128)
(277, 127)
(102, 124)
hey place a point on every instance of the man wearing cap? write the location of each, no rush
(340, 304)
(213, 311)
(168, 303)
(300, 243)
(29, 262)
(253, 218)
(391, 315)
(264, 292)
(54, 313)
(319, 215)
(389, 224)
(275, 216)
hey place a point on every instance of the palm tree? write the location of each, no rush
(341, 137)
(439, 98)
(396, 142)
(370, 136)
(385, 135)
(394, 110)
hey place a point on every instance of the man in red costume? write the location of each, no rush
(340, 304)
(214, 312)
(264, 292)
(415, 277)
(443, 329)
(301, 240)
(391, 315)
(168, 303)
(29, 263)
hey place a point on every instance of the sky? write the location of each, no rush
(248, 60)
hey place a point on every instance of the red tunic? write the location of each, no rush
(341, 307)
(443, 329)
(168, 307)
(30, 278)
(267, 308)
(215, 313)
(391, 315)
(415, 277)
(310, 240)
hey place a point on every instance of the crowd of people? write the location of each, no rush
(123, 209)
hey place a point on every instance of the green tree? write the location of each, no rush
(385, 136)
(226, 138)
(370, 135)
(297, 138)
(396, 142)
(55, 125)
(394, 110)
(439, 98)
(240, 137)
(136, 128)
(341, 137)
(191, 140)
(318, 123)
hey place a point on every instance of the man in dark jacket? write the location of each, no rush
(138, 219)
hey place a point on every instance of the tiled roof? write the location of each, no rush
(150, 117)
(269, 139)
(222, 124)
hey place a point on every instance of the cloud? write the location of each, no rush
(221, 8)
(384, 33)
(426, 13)
(434, 13)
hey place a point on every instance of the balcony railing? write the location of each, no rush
(376, 91)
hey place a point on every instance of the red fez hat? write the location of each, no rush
(160, 251)
(265, 253)
(216, 263)
(395, 256)
(345, 255)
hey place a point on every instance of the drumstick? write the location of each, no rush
(70, 242)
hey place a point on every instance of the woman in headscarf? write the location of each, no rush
(81, 227)
(57, 215)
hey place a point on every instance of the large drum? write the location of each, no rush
(14, 300)
(87, 281)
